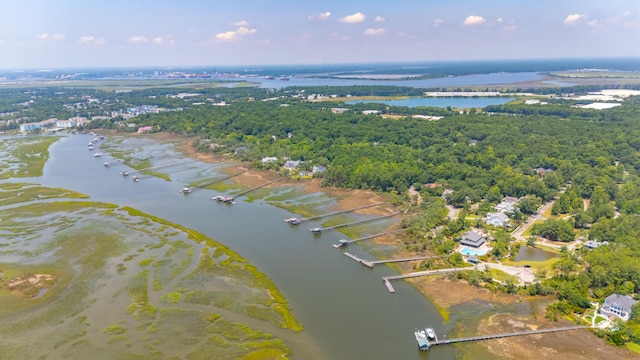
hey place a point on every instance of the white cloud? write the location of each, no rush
(236, 35)
(380, 19)
(340, 36)
(499, 20)
(474, 20)
(353, 19)
(158, 40)
(437, 23)
(241, 23)
(322, 16)
(91, 40)
(138, 39)
(375, 32)
(573, 19)
(54, 37)
(593, 24)
(246, 31)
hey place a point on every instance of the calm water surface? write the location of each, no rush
(467, 80)
(534, 254)
(344, 307)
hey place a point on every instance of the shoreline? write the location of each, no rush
(444, 292)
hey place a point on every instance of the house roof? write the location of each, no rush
(498, 215)
(623, 301)
(472, 238)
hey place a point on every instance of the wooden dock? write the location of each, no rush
(258, 187)
(437, 341)
(387, 279)
(202, 186)
(372, 263)
(336, 213)
(345, 242)
(319, 230)
(161, 167)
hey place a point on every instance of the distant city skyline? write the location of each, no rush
(140, 33)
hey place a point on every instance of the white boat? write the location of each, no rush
(106, 164)
(97, 155)
(136, 179)
(124, 173)
(185, 190)
(90, 147)
(431, 334)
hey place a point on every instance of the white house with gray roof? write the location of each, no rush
(618, 305)
(496, 219)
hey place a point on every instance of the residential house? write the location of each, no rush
(339, 110)
(496, 219)
(269, 159)
(593, 244)
(292, 164)
(30, 127)
(618, 305)
(507, 205)
(473, 239)
(318, 169)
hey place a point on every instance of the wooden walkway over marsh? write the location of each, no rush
(425, 344)
(387, 279)
(202, 186)
(258, 187)
(372, 263)
(298, 221)
(319, 230)
(345, 242)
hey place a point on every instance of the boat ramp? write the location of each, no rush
(425, 342)
(319, 230)
(296, 221)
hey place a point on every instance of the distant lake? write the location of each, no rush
(442, 102)
(451, 81)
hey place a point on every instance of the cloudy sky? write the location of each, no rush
(81, 33)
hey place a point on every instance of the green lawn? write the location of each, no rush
(634, 347)
(528, 231)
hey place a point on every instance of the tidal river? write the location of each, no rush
(346, 311)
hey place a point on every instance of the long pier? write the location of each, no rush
(372, 263)
(387, 279)
(202, 186)
(425, 344)
(161, 166)
(258, 187)
(298, 221)
(345, 242)
(318, 230)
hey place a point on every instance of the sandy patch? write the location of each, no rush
(30, 284)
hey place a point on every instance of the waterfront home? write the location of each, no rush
(496, 219)
(618, 305)
(473, 239)
(30, 127)
(318, 169)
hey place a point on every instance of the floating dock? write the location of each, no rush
(296, 221)
(319, 230)
(435, 341)
(345, 242)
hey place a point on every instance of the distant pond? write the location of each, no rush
(442, 102)
(527, 253)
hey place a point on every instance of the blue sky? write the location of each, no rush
(83, 33)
